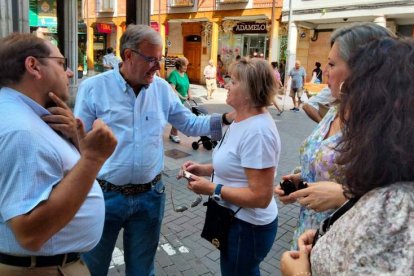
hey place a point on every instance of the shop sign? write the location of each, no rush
(250, 27)
(181, 3)
(233, 1)
(155, 26)
(104, 28)
(47, 21)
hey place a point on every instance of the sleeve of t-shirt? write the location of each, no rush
(259, 149)
(30, 170)
(172, 78)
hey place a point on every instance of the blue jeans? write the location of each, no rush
(247, 248)
(141, 217)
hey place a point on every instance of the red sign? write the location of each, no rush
(104, 28)
(155, 26)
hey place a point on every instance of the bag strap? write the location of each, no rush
(320, 71)
(212, 174)
(329, 221)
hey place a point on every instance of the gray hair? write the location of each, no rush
(135, 35)
(349, 38)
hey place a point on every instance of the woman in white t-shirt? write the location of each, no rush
(244, 166)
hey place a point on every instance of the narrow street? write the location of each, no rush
(181, 250)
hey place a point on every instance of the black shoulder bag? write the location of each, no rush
(218, 220)
(329, 221)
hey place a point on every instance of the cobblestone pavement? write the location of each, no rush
(181, 250)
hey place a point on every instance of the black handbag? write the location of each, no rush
(218, 220)
(217, 224)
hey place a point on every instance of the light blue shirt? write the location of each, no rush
(138, 123)
(34, 158)
(323, 97)
(111, 60)
(297, 77)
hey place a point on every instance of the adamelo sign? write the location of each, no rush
(250, 27)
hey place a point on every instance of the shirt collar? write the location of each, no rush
(37, 108)
(122, 82)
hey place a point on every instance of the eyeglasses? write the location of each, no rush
(63, 59)
(151, 60)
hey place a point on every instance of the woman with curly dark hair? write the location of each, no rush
(376, 236)
(325, 177)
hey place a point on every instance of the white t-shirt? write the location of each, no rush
(252, 143)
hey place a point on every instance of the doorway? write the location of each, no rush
(192, 51)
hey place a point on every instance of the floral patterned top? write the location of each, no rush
(375, 237)
(317, 158)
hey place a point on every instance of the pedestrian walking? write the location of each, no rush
(110, 60)
(180, 83)
(210, 72)
(279, 84)
(297, 77)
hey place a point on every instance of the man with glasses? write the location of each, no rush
(137, 105)
(51, 207)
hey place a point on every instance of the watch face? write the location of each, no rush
(216, 197)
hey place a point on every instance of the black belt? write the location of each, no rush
(128, 189)
(39, 261)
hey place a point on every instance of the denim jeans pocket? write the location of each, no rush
(159, 188)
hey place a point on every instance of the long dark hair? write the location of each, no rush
(377, 102)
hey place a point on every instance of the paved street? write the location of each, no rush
(181, 250)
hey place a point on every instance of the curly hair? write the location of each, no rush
(377, 112)
(179, 62)
(257, 76)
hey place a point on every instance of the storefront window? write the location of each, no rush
(99, 46)
(43, 20)
(255, 45)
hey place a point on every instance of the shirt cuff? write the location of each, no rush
(215, 127)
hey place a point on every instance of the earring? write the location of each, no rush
(340, 87)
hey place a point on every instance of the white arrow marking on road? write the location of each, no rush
(183, 249)
(168, 249)
(118, 254)
(117, 258)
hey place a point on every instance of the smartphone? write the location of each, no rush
(187, 175)
(289, 187)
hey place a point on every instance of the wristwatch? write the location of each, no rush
(217, 192)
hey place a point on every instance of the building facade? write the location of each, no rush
(313, 22)
(217, 29)
(73, 25)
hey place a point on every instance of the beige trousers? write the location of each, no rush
(211, 85)
(77, 268)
